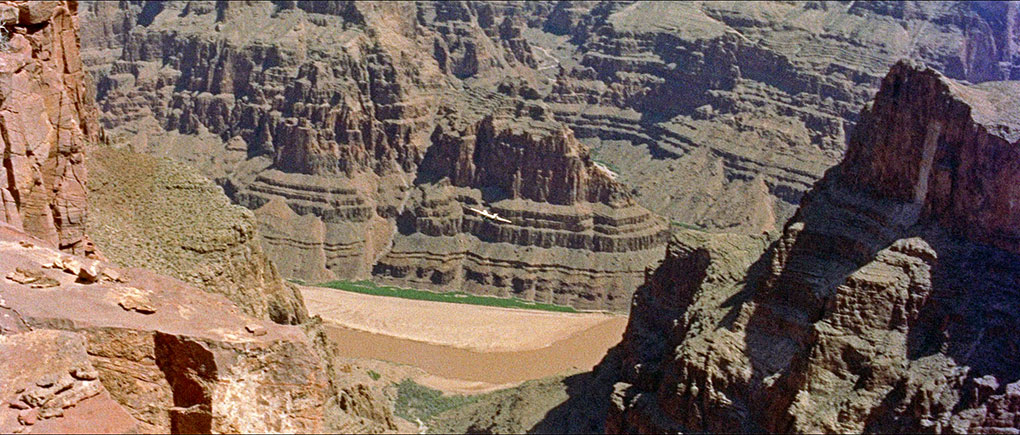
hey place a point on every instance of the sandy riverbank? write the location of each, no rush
(464, 347)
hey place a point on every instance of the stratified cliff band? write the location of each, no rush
(336, 124)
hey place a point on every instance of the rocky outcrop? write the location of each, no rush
(474, 39)
(64, 395)
(160, 215)
(88, 347)
(319, 117)
(47, 114)
(880, 309)
(700, 101)
(174, 357)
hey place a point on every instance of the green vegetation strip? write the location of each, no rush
(371, 288)
(689, 226)
(416, 401)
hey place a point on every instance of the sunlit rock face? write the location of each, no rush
(47, 114)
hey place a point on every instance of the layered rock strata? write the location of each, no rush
(882, 308)
(512, 205)
(321, 121)
(752, 100)
(48, 114)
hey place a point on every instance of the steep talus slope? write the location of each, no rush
(751, 100)
(48, 113)
(161, 215)
(320, 119)
(886, 305)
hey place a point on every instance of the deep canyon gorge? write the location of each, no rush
(508, 217)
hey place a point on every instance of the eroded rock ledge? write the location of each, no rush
(176, 358)
(886, 306)
(562, 231)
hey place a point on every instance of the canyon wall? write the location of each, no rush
(887, 304)
(566, 232)
(722, 114)
(321, 118)
(318, 116)
(48, 114)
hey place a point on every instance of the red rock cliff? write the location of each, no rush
(47, 115)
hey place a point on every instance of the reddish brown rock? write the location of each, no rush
(62, 395)
(48, 115)
(176, 358)
(37, 12)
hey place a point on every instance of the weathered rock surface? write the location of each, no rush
(160, 215)
(882, 308)
(176, 358)
(64, 395)
(722, 113)
(320, 119)
(47, 113)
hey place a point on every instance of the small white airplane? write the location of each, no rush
(605, 169)
(490, 215)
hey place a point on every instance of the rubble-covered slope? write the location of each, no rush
(887, 305)
(161, 215)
